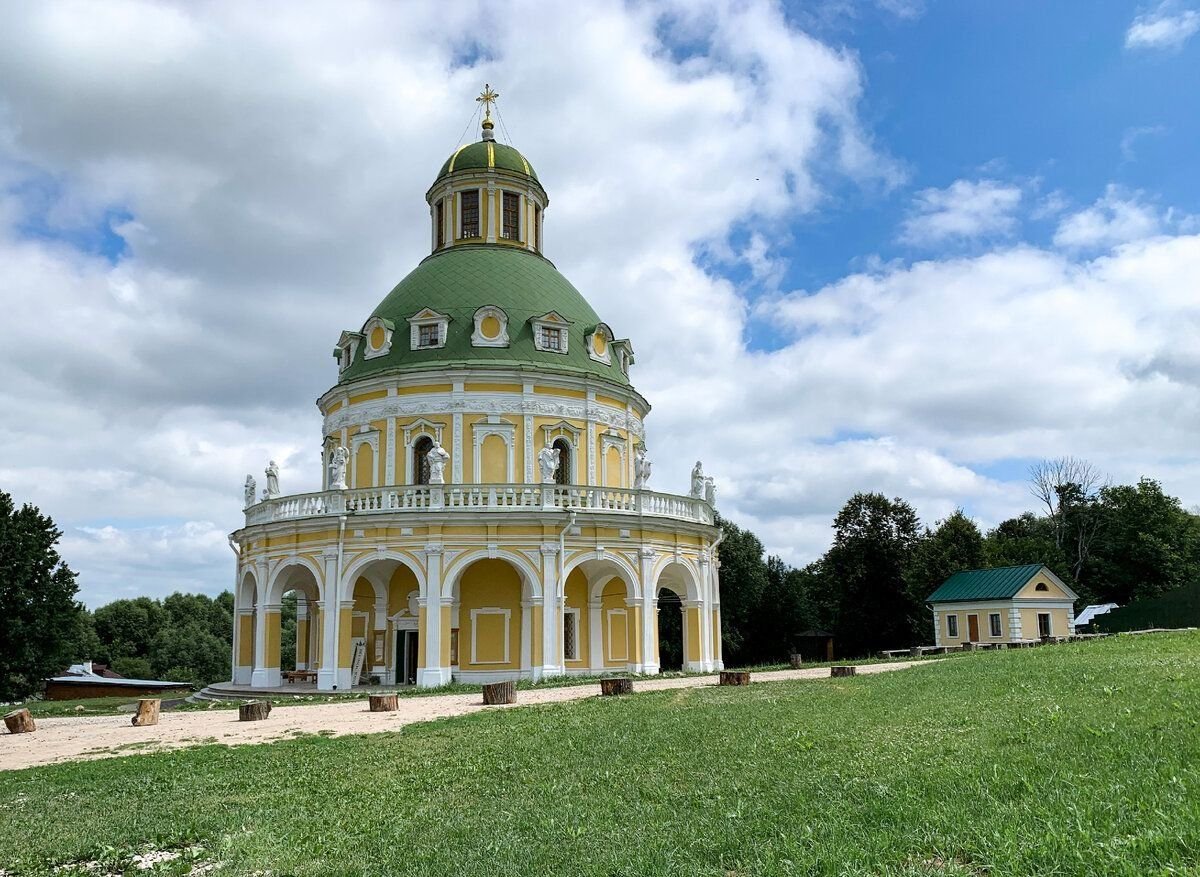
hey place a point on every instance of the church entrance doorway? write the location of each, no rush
(670, 630)
(407, 649)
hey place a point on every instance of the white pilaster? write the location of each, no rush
(264, 676)
(595, 636)
(551, 611)
(527, 638)
(650, 656)
(433, 673)
(327, 673)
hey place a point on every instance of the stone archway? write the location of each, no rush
(244, 606)
(380, 603)
(670, 630)
(602, 601)
(298, 576)
(679, 582)
(495, 623)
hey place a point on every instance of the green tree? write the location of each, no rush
(127, 627)
(38, 609)
(954, 544)
(873, 545)
(190, 653)
(1023, 540)
(1148, 544)
(743, 583)
(287, 632)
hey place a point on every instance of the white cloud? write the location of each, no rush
(1115, 218)
(964, 210)
(1167, 26)
(1132, 135)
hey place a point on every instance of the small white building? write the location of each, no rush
(1003, 605)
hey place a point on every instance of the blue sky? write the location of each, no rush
(886, 245)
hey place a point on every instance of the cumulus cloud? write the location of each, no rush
(1115, 218)
(964, 210)
(1167, 26)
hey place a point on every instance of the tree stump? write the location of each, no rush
(495, 693)
(735, 677)
(796, 661)
(19, 722)
(842, 671)
(384, 703)
(618, 685)
(253, 710)
(147, 712)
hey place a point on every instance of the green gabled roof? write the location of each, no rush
(461, 279)
(485, 154)
(1001, 583)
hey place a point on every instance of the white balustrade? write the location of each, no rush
(488, 498)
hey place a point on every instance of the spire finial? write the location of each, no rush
(487, 97)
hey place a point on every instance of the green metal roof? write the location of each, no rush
(485, 154)
(1001, 583)
(461, 279)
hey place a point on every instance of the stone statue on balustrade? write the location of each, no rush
(548, 462)
(438, 457)
(272, 480)
(698, 481)
(251, 489)
(710, 492)
(641, 468)
(337, 468)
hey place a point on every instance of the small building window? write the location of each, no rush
(994, 621)
(441, 223)
(427, 336)
(511, 225)
(952, 625)
(1044, 624)
(421, 449)
(552, 339)
(571, 635)
(470, 213)
(562, 475)
(1041, 586)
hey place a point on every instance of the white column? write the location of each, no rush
(327, 673)
(380, 668)
(706, 655)
(527, 638)
(258, 677)
(650, 657)
(433, 673)
(550, 611)
(719, 662)
(1014, 624)
(264, 676)
(595, 635)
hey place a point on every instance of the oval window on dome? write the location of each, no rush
(491, 327)
(378, 334)
(599, 342)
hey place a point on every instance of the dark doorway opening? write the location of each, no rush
(670, 631)
(406, 657)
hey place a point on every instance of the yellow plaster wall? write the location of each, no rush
(422, 389)
(609, 400)
(345, 636)
(559, 391)
(364, 466)
(445, 640)
(577, 598)
(1058, 622)
(490, 584)
(402, 583)
(692, 620)
(1052, 592)
(368, 397)
(422, 632)
(535, 622)
(491, 388)
(315, 622)
(494, 463)
(302, 640)
(964, 628)
(272, 639)
(616, 651)
(245, 640)
(614, 470)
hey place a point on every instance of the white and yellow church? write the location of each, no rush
(485, 513)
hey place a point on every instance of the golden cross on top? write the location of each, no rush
(487, 98)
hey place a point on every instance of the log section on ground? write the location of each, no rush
(147, 712)
(841, 671)
(616, 685)
(19, 722)
(735, 677)
(253, 710)
(384, 703)
(500, 692)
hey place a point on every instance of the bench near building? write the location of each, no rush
(1005, 605)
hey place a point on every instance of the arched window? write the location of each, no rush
(562, 475)
(421, 449)
(1041, 586)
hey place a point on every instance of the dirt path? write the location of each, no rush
(72, 739)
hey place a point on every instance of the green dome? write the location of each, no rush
(457, 282)
(486, 154)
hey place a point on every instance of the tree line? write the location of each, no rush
(1115, 543)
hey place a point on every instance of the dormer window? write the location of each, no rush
(510, 224)
(491, 327)
(347, 346)
(428, 330)
(599, 343)
(378, 333)
(469, 211)
(624, 351)
(550, 332)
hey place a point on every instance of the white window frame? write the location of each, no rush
(520, 212)
(427, 318)
(551, 320)
(371, 325)
(571, 616)
(952, 625)
(497, 426)
(606, 333)
(995, 624)
(479, 199)
(490, 610)
(1049, 623)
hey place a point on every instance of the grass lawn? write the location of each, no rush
(1079, 759)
